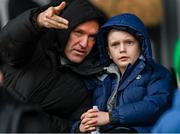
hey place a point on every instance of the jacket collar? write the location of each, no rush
(132, 72)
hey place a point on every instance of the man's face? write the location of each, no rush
(81, 41)
(123, 48)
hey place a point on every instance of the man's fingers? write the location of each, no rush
(54, 24)
(50, 19)
(55, 21)
(58, 19)
(60, 7)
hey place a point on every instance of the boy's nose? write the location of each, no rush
(122, 48)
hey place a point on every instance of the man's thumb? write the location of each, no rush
(60, 7)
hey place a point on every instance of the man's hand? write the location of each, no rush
(93, 118)
(50, 19)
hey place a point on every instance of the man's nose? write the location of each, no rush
(84, 41)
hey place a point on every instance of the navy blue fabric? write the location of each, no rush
(169, 122)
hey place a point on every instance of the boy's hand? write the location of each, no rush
(93, 118)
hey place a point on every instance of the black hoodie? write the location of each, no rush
(32, 69)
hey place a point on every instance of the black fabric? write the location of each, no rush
(18, 6)
(121, 130)
(33, 72)
(16, 116)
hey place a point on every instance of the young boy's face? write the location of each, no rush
(123, 48)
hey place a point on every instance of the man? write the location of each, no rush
(47, 57)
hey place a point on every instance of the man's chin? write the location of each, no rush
(77, 60)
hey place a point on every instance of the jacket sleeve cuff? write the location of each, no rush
(113, 117)
(110, 117)
(34, 21)
(34, 14)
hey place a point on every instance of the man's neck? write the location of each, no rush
(64, 61)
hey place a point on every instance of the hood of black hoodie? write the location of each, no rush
(78, 12)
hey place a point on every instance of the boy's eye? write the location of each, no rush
(114, 44)
(130, 43)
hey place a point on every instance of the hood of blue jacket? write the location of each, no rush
(127, 22)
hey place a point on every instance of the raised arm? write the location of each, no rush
(20, 37)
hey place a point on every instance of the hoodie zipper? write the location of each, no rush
(112, 99)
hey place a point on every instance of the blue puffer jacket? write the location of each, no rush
(137, 98)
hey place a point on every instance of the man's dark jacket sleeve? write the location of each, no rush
(17, 46)
(17, 37)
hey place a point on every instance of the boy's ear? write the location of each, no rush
(108, 53)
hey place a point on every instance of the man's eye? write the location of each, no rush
(92, 38)
(78, 33)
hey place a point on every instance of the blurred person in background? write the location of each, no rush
(16, 7)
(169, 122)
(9, 9)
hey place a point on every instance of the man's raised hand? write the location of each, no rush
(50, 19)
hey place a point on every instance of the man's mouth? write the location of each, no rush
(80, 52)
